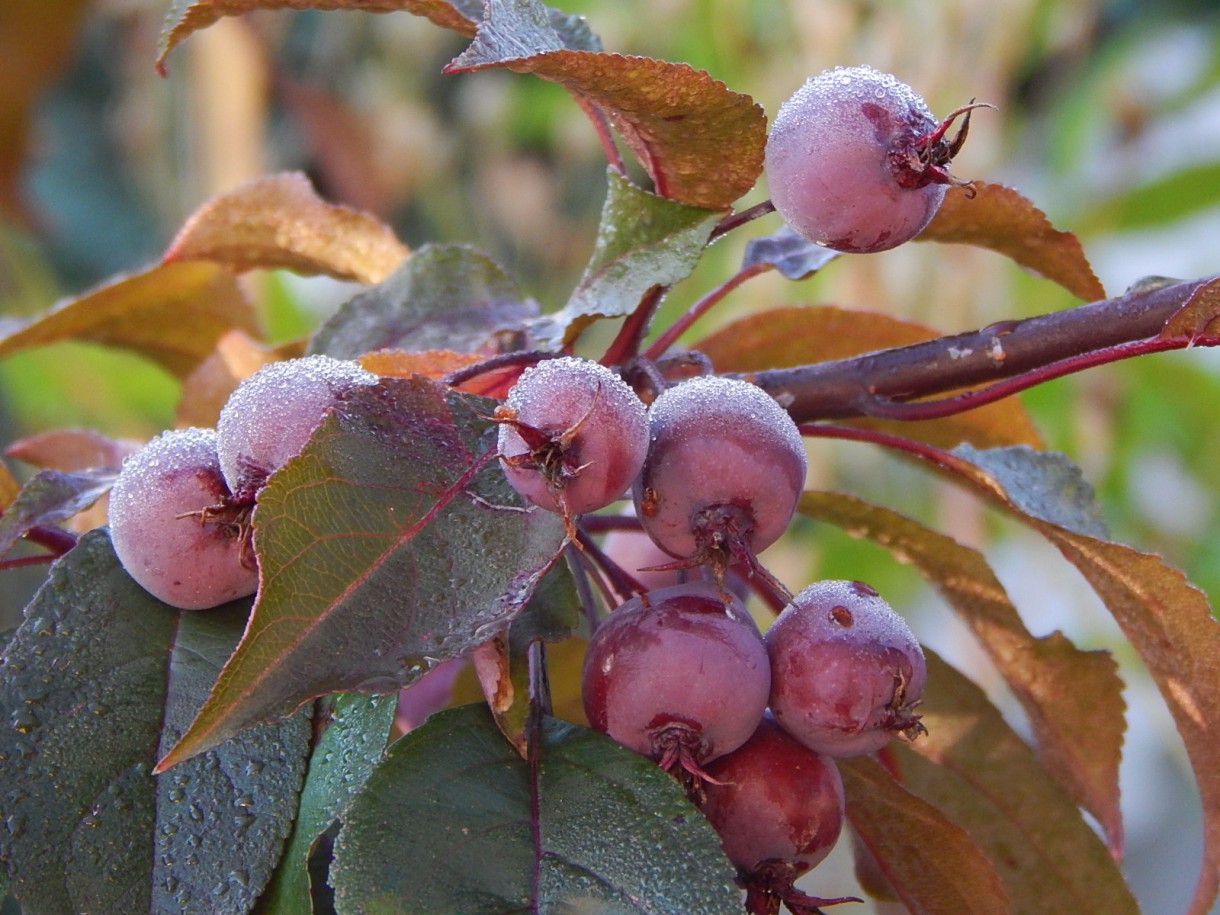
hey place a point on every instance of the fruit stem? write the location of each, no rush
(740, 218)
(670, 335)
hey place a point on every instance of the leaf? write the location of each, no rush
(98, 674)
(1199, 315)
(439, 363)
(643, 241)
(49, 497)
(795, 257)
(801, 334)
(280, 222)
(980, 774)
(701, 143)
(1167, 620)
(172, 314)
(9, 487)
(390, 542)
(444, 297)
(206, 389)
(187, 16)
(1073, 698)
(1001, 219)
(354, 731)
(932, 864)
(71, 449)
(594, 827)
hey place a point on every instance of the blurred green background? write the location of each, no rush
(1108, 118)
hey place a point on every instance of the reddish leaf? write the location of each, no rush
(800, 334)
(1073, 698)
(1166, 619)
(205, 390)
(49, 497)
(186, 16)
(999, 218)
(390, 542)
(71, 449)
(171, 313)
(975, 769)
(1199, 315)
(9, 487)
(933, 865)
(701, 143)
(280, 222)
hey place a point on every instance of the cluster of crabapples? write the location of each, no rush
(751, 723)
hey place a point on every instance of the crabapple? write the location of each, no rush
(724, 469)
(776, 804)
(855, 160)
(169, 524)
(679, 674)
(271, 414)
(572, 435)
(846, 671)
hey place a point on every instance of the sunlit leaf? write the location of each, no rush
(171, 313)
(208, 386)
(96, 677)
(1073, 698)
(280, 222)
(984, 777)
(71, 449)
(9, 487)
(392, 541)
(800, 334)
(443, 297)
(353, 730)
(52, 496)
(593, 827)
(643, 241)
(701, 143)
(932, 864)
(999, 218)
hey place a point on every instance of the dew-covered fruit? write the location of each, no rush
(776, 804)
(855, 160)
(724, 470)
(169, 525)
(679, 674)
(271, 414)
(572, 435)
(846, 670)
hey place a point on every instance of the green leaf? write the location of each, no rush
(455, 820)
(172, 314)
(98, 675)
(643, 241)
(392, 541)
(49, 497)
(1073, 698)
(354, 729)
(932, 864)
(974, 768)
(701, 143)
(444, 297)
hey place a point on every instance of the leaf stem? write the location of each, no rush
(740, 218)
(671, 334)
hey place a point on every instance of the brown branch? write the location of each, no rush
(878, 383)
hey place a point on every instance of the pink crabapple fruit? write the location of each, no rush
(172, 527)
(855, 160)
(679, 674)
(572, 435)
(846, 671)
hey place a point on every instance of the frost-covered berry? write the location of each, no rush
(846, 670)
(572, 435)
(679, 674)
(856, 161)
(271, 414)
(724, 470)
(169, 527)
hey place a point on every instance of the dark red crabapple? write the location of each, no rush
(167, 523)
(572, 435)
(679, 674)
(855, 160)
(724, 470)
(776, 805)
(846, 671)
(271, 414)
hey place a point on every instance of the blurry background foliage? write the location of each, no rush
(1108, 118)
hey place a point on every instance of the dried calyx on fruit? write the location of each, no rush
(572, 435)
(856, 161)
